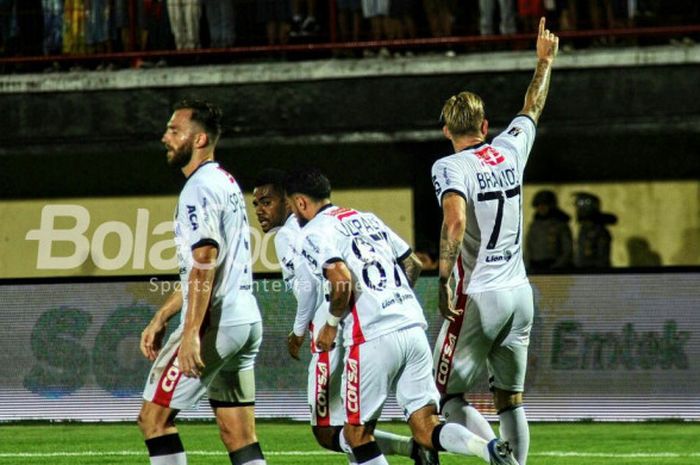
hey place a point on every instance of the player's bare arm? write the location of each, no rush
(340, 281)
(412, 266)
(152, 335)
(200, 284)
(454, 223)
(547, 47)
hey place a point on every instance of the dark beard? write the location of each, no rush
(182, 156)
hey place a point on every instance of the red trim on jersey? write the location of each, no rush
(352, 386)
(447, 352)
(312, 343)
(228, 175)
(346, 214)
(358, 336)
(167, 383)
(322, 381)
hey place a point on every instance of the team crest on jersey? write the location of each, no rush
(515, 131)
(490, 156)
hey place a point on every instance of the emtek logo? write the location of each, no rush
(132, 244)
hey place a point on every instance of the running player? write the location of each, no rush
(213, 350)
(479, 188)
(325, 368)
(370, 272)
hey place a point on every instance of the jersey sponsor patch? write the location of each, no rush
(192, 216)
(490, 156)
(515, 131)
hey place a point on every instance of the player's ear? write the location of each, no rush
(201, 140)
(446, 132)
(484, 127)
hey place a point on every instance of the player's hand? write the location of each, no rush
(326, 338)
(294, 343)
(152, 339)
(547, 43)
(189, 358)
(447, 309)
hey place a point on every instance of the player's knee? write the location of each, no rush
(356, 435)
(327, 437)
(152, 423)
(504, 400)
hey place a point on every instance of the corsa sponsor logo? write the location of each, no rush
(322, 389)
(448, 349)
(352, 394)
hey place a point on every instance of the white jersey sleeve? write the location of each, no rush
(308, 291)
(519, 137)
(285, 249)
(199, 204)
(449, 177)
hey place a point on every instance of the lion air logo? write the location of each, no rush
(490, 156)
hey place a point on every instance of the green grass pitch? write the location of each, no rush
(288, 443)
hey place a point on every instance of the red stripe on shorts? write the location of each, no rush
(323, 373)
(352, 386)
(167, 383)
(358, 336)
(447, 352)
(312, 341)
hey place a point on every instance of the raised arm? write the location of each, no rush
(547, 46)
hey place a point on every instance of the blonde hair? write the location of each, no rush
(463, 114)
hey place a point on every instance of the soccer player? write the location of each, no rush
(213, 350)
(370, 272)
(479, 188)
(325, 368)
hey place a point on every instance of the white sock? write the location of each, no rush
(515, 430)
(172, 459)
(457, 410)
(345, 447)
(458, 439)
(393, 444)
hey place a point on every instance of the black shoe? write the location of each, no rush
(424, 456)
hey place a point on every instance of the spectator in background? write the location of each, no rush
(53, 26)
(304, 25)
(593, 244)
(400, 21)
(74, 21)
(160, 37)
(377, 12)
(640, 253)
(349, 20)
(184, 22)
(530, 12)
(130, 23)
(548, 245)
(219, 14)
(97, 29)
(487, 11)
(8, 25)
(276, 15)
(440, 16)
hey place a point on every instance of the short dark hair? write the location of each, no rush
(273, 177)
(308, 181)
(207, 114)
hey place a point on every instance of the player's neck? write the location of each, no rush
(198, 159)
(462, 143)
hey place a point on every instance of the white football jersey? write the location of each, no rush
(309, 290)
(382, 299)
(490, 177)
(211, 210)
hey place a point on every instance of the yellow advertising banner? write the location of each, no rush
(118, 236)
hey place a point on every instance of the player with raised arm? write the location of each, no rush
(325, 368)
(488, 322)
(213, 350)
(370, 272)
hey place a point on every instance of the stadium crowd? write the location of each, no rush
(53, 27)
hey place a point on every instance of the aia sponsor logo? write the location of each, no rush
(490, 156)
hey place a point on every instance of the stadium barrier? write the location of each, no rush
(618, 346)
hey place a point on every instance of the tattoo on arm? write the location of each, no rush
(449, 251)
(537, 91)
(412, 267)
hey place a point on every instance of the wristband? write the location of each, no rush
(333, 320)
